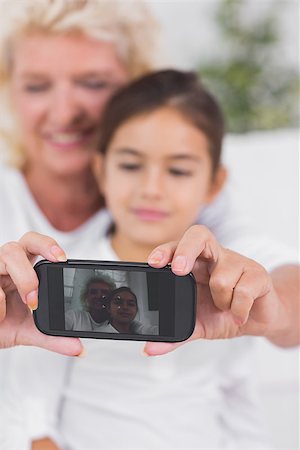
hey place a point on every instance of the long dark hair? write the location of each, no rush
(181, 90)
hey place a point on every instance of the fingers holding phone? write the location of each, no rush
(114, 300)
(233, 291)
(16, 260)
(19, 293)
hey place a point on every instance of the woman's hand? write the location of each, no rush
(235, 295)
(19, 294)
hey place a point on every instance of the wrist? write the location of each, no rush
(279, 328)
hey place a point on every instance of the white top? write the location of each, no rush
(136, 328)
(20, 213)
(81, 321)
(200, 396)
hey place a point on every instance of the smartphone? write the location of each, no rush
(114, 300)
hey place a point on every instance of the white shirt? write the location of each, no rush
(81, 321)
(200, 396)
(20, 213)
(136, 328)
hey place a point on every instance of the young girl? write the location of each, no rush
(160, 146)
(160, 165)
(122, 309)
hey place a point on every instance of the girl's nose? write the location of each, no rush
(152, 183)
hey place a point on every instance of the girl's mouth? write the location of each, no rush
(150, 215)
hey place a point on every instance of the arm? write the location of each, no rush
(286, 329)
(236, 295)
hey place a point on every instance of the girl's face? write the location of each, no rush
(123, 307)
(59, 87)
(157, 175)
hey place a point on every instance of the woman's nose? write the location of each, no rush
(65, 110)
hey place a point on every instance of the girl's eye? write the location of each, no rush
(132, 304)
(180, 172)
(117, 301)
(129, 166)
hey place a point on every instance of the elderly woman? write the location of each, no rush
(60, 62)
(94, 300)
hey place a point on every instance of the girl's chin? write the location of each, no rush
(151, 242)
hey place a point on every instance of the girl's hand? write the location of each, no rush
(19, 294)
(235, 295)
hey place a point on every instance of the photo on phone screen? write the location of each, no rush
(110, 301)
(114, 300)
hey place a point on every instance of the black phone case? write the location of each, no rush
(109, 265)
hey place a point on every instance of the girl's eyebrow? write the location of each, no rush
(128, 151)
(186, 157)
(179, 156)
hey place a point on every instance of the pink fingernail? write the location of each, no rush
(179, 263)
(155, 257)
(58, 253)
(32, 300)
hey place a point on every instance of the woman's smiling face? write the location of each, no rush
(60, 85)
(157, 174)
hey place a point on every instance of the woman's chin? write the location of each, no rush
(69, 167)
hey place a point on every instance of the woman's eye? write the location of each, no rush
(179, 172)
(129, 166)
(97, 85)
(35, 88)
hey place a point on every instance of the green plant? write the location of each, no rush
(253, 86)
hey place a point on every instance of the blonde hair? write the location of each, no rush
(103, 278)
(129, 25)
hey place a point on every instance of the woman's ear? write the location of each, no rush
(98, 170)
(217, 184)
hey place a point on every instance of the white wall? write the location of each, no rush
(264, 175)
(191, 35)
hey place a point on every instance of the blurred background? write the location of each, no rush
(247, 53)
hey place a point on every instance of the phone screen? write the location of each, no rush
(131, 301)
(114, 300)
